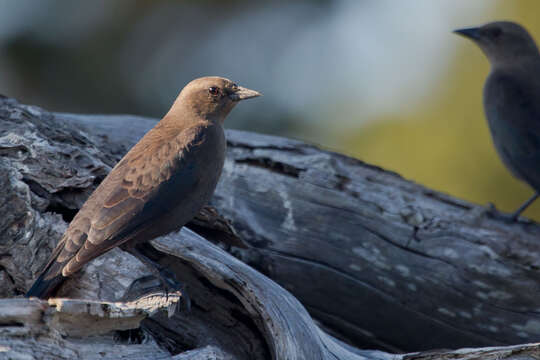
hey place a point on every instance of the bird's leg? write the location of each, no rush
(167, 278)
(524, 206)
(513, 217)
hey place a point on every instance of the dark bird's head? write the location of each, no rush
(503, 42)
(211, 98)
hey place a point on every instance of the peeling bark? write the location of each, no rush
(378, 261)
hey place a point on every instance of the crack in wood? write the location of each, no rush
(271, 165)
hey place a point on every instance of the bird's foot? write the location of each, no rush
(493, 213)
(478, 214)
(151, 290)
(170, 286)
(515, 216)
(167, 279)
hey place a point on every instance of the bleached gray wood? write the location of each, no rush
(341, 235)
(72, 329)
(34, 329)
(379, 260)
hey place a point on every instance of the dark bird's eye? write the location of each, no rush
(213, 90)
(495, 32)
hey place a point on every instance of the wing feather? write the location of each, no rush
(513, 114)
(116, 207)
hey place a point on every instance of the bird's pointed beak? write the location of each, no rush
(242, 93)
(471, 33)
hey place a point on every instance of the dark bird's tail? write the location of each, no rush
(48, 281)
(44, 288)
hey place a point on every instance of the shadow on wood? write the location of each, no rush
(379, 261)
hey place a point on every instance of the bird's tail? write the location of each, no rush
(44, 288)
(49, 280)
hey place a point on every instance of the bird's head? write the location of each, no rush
(212, 97)
(503, 42)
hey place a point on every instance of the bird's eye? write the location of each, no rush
(213, 90)
(495, 32)
(234, 86)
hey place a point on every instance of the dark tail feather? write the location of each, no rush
(43, 288)
(49, 279)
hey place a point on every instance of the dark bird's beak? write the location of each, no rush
(242, 93)
(471, 33)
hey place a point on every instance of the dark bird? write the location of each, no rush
(512, 98)
(157, 187)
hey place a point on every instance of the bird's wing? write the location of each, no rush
(116, 210)
(514, 104)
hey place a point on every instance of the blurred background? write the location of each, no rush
(380, 80)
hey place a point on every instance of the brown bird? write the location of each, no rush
(512, 99)
(157, 187)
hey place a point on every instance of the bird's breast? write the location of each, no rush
(194, 181)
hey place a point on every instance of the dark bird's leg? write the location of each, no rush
(525, 205)
(496, 214)
(167, 278)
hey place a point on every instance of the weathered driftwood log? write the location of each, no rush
(34, 329)
(81, 329)
(379, 261)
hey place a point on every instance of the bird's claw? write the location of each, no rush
(171, 285)
(493, 213)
